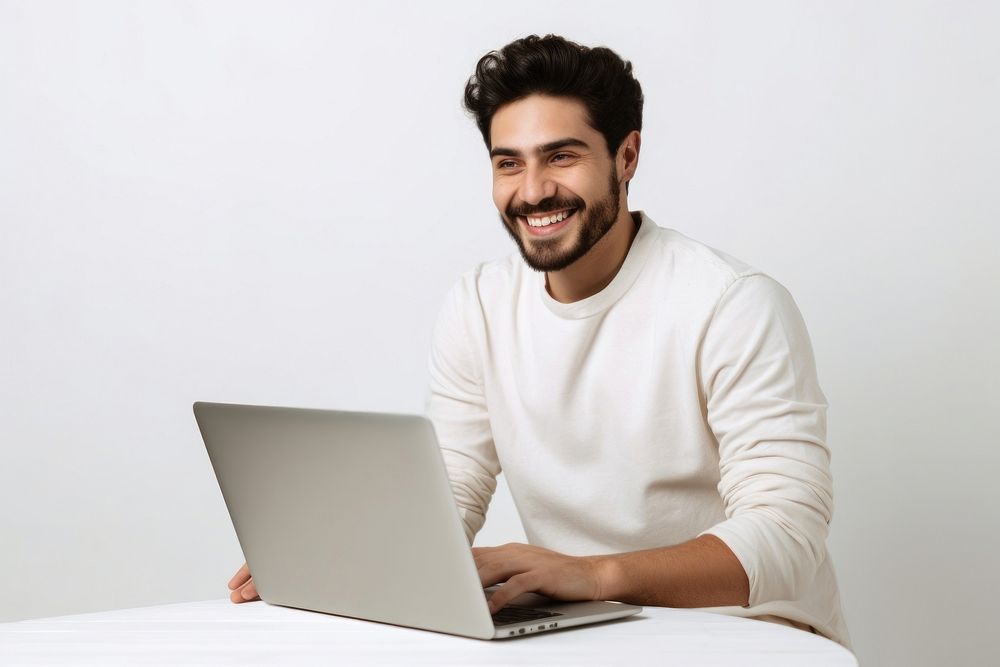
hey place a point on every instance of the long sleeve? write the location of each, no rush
(768, 414)
(457, 407)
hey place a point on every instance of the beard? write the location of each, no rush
(592, 223)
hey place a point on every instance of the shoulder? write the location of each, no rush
(697, 261)
(490, 281)
(702, 274)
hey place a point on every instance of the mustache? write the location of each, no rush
(545, 205)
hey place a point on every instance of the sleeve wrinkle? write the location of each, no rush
(456, 406)
(769, 417)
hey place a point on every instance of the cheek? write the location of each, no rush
(501, 196)
(585, 187)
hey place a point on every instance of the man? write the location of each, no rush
(652, 401)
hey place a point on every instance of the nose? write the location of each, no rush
(537, 185)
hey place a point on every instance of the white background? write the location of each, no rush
(266, 202)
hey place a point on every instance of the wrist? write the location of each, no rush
(610, 576)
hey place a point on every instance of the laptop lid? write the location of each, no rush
(352, 514)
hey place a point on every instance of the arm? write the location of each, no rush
(767, 412)
(456, 406)
(702, 572)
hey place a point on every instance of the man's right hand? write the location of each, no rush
(242, 586)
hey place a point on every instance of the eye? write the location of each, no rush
(506, 164)
(562, 157)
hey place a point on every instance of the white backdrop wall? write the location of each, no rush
(265, 203)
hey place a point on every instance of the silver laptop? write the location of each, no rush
(352, 514)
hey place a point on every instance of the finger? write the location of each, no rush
(240, 577)
(477, 551)
(502, 566)
(495, 573)
(516, 585)
(506, 552)
(249, 591)
(480, 553)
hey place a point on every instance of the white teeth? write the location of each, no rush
(549, 219)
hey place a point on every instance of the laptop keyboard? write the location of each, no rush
(513, 614)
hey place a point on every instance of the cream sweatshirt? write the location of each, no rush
(682, 399)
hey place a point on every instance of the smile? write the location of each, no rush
(547, 224)
(548, 218)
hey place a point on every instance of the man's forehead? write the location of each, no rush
(536, 122)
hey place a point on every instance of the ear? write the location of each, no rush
(627, 159)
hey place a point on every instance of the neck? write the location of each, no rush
(595, 270)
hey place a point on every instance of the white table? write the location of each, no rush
(218, 632)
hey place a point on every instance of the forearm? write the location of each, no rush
(702, 572)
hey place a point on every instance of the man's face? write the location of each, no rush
(554, 184)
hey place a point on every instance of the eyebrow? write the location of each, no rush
(544, 148)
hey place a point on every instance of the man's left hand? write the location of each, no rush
(526, 568)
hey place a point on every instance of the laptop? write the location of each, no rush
(352, 513)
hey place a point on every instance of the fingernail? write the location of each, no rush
(246, 594)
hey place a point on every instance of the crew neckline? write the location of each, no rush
(614, 290)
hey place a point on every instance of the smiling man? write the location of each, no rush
(652, 401)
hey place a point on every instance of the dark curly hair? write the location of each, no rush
(552, 65)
